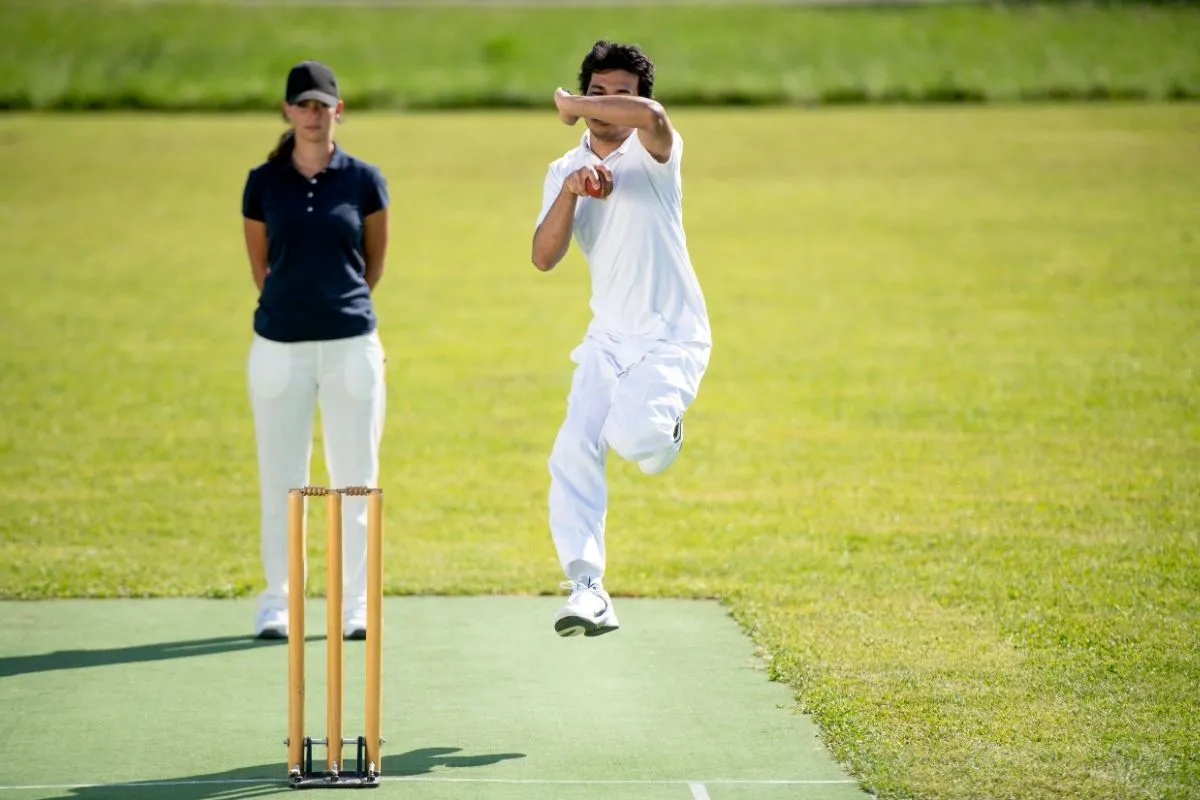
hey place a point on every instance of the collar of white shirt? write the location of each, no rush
(585, 144)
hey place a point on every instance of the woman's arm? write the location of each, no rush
(375, 240)
(256, 248)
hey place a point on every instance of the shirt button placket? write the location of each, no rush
(310, 194)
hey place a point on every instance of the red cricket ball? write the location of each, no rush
(597, 189)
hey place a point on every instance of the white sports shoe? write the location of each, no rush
(271, 623)
(656, 464)
(589, 610)
(354, 623)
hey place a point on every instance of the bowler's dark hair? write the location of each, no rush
(606, 55)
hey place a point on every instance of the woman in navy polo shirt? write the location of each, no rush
(316, 231)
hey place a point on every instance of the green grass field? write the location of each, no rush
(945, 466)
(202, 55)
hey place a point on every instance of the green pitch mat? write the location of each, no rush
(172, 698)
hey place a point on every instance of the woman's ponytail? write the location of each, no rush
(283, 150)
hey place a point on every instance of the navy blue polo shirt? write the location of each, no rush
(316, 289)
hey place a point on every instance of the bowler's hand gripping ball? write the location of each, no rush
(600, 188)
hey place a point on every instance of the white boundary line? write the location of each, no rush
(699, 792)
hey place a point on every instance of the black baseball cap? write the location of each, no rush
(312, 80)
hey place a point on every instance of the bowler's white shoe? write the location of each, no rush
(271, 623)
(589, 610)
(354, 623)
(656, 464)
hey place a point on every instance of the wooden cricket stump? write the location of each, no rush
(368, 766)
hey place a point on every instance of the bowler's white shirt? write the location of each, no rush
(643, 285)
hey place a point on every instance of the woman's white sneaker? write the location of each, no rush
(588, 611)
(271, 623)
(354, 623)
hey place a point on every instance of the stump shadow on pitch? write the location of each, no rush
(155, 651)
(268, 779)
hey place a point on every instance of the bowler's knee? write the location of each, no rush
(572, 446)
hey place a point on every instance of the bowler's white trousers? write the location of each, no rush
(625, 397)
(287, 381)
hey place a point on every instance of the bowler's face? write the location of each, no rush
(608, 82)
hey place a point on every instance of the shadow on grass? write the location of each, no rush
(268, 779)
(159, 651)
